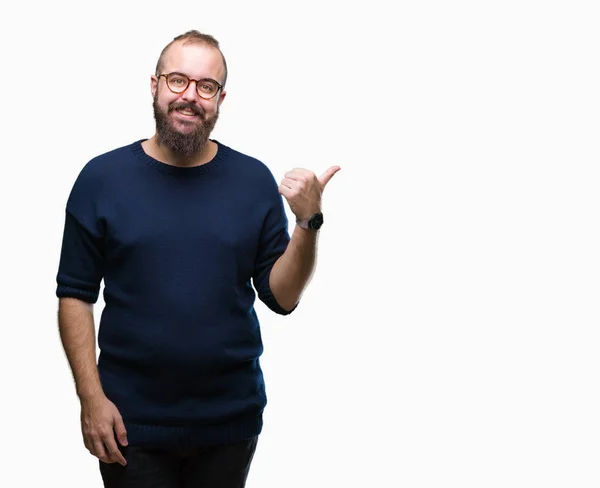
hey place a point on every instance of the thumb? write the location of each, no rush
(120, 431)
(325, 177)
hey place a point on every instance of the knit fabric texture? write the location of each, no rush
(183, 253)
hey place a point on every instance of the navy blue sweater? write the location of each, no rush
(179, 250)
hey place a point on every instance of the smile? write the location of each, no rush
(186, 112)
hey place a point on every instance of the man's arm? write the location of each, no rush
(100, 418)
(294, 269)
(77, 333)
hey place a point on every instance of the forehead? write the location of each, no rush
(194, 60)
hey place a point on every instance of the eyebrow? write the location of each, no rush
(200, 79)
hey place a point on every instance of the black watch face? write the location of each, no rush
(316, 221)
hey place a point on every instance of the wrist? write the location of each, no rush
(90, 396)
(314, 222)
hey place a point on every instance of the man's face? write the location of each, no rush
(186, 133)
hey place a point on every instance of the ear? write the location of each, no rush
(153, 85)
(221, 97)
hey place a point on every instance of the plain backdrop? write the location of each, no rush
(450, 335)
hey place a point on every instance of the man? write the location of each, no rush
(180, 227)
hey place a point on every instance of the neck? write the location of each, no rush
(165, 155)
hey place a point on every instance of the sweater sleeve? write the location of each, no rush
(82, 255)
(273, 243)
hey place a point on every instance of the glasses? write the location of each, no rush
(178, 83)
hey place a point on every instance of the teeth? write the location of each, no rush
(186, 112)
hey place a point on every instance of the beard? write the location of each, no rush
(189, 143)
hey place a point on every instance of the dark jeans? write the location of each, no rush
(224, 466)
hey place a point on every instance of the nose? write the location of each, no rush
(191, 94)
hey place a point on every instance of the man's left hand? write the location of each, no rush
(302, 190)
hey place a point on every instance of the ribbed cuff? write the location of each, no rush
(63, 291)
(270, 301)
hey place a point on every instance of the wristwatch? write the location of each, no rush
(314, 222)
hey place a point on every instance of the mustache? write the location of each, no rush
(192, 107)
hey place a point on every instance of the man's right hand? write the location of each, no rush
(101, 422)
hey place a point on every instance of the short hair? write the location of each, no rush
(192, 37)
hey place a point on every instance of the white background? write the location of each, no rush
(450, 334)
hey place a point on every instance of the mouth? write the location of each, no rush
(186, 112)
